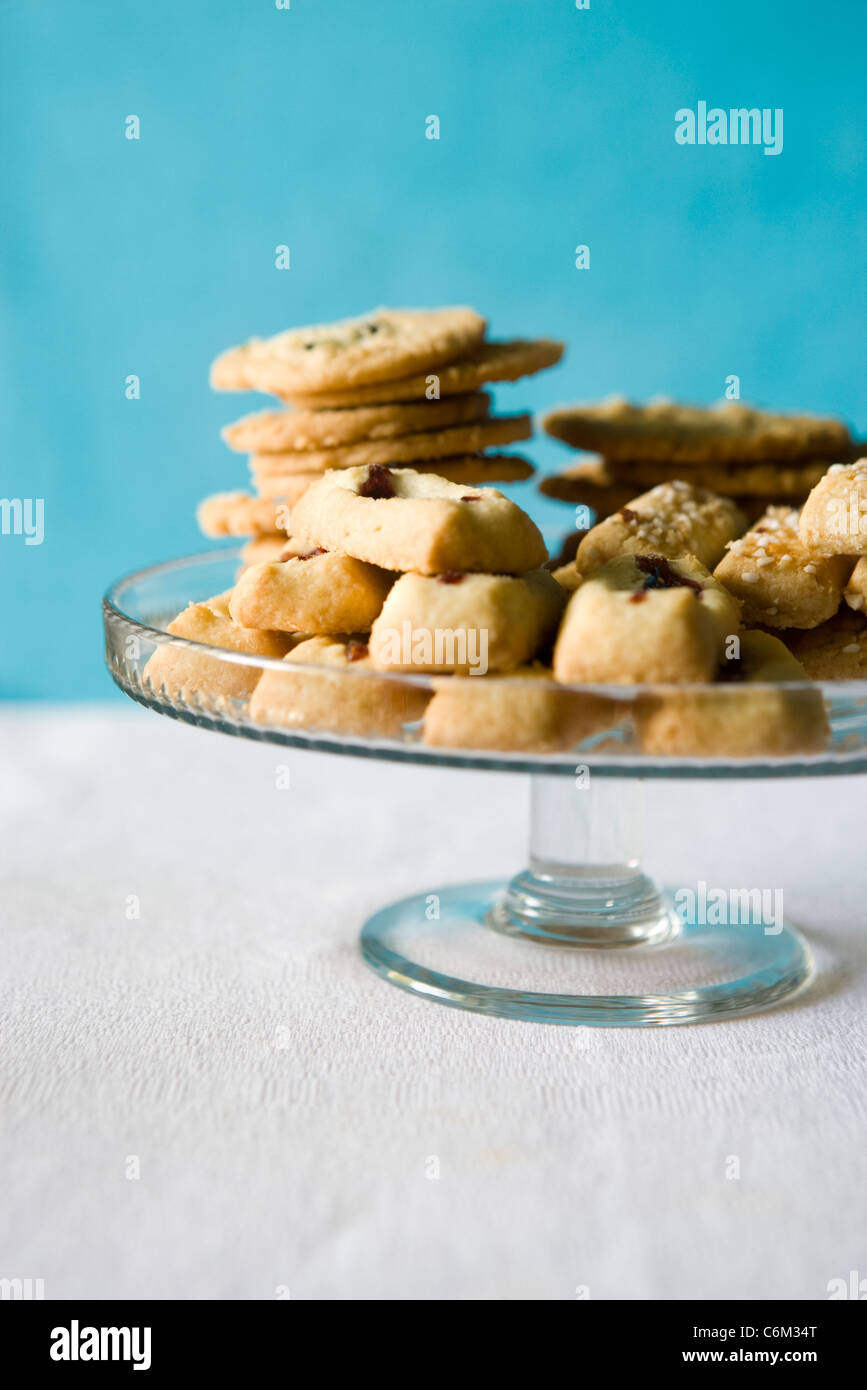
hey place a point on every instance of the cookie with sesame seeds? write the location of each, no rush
(780, 580)
(673, 519)
(408, 448)
(855, 592)
(835, 650)
(488, 362)
(663, 430)
(379, 346)
(834, 516)
(276, 431)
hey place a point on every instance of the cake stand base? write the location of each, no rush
(583, 936)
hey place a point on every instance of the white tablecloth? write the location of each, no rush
(282, 1105)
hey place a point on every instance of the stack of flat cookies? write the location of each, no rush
(395, 387)
(755, 457)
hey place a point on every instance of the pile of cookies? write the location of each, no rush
(394, 387)
(402, 571)
(753, 456)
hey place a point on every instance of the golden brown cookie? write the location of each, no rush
(379, 346)
(184, 673)
(239, 514)
(673, 519)
(769, 480)
(730, 432)
(737, 720)
(409, 448)
(834, 651)
(475, 469)
(779, 580)
(329, 686)
(265, 549)
(526, 712)
(318, 593)
(507, 361)
(276, 431)
(834, 518)
(855, 592)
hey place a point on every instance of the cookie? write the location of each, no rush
(265, 548)
(644, 618)
(730, 432)
(464, 468)
(287, 487)
(855, 592)
(184, 673)
(318, 593)
(770, 480)
(567, 576)
(575, 486)
(380, 346)
(404, 520)
(507, 361)
(526, 712)
(738, 721)
(430, 444)
(672, 519)
(275, 431)
(780, 582)
(464, 623)
(239, 514)
(834, 651)
(328, 686)
(834, 517)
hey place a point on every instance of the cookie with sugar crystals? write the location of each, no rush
(329, 686)
(182, 672)
(524, 712)
(317, 593)
(738, 720)
(645, 618)
(834, 516)
(673, 519)
(429, 444)
(729, 432)
(466, 622)
(405, 520)
(489, 361)
(834, 651)
(780, 581)
(379, 346)
(855, 592)
(276, 431)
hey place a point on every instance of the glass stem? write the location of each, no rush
(584, 885)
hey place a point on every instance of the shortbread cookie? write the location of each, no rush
(834, 518)
(404, 520)
(275, 431)
(318, 593)
(286, 486)
(466, 623)
(779, 481)
(265, 549)
(834, 651)
(568, 577)
(507, 361)
(239, 514)
(737, 720)
(477, 469)
(855, 592)
(183, 672)
(672, 519)
(380, 346)
(526, 712)
(644, 618)
(575, 486)
(726, 433)
(430, 444)
(779, 580)
(329, 686)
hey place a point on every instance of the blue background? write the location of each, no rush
(261, 126)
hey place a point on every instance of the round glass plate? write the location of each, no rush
(581, 935)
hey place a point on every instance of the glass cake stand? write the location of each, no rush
(579, 936)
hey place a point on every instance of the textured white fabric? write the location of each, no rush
(286, 1106)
